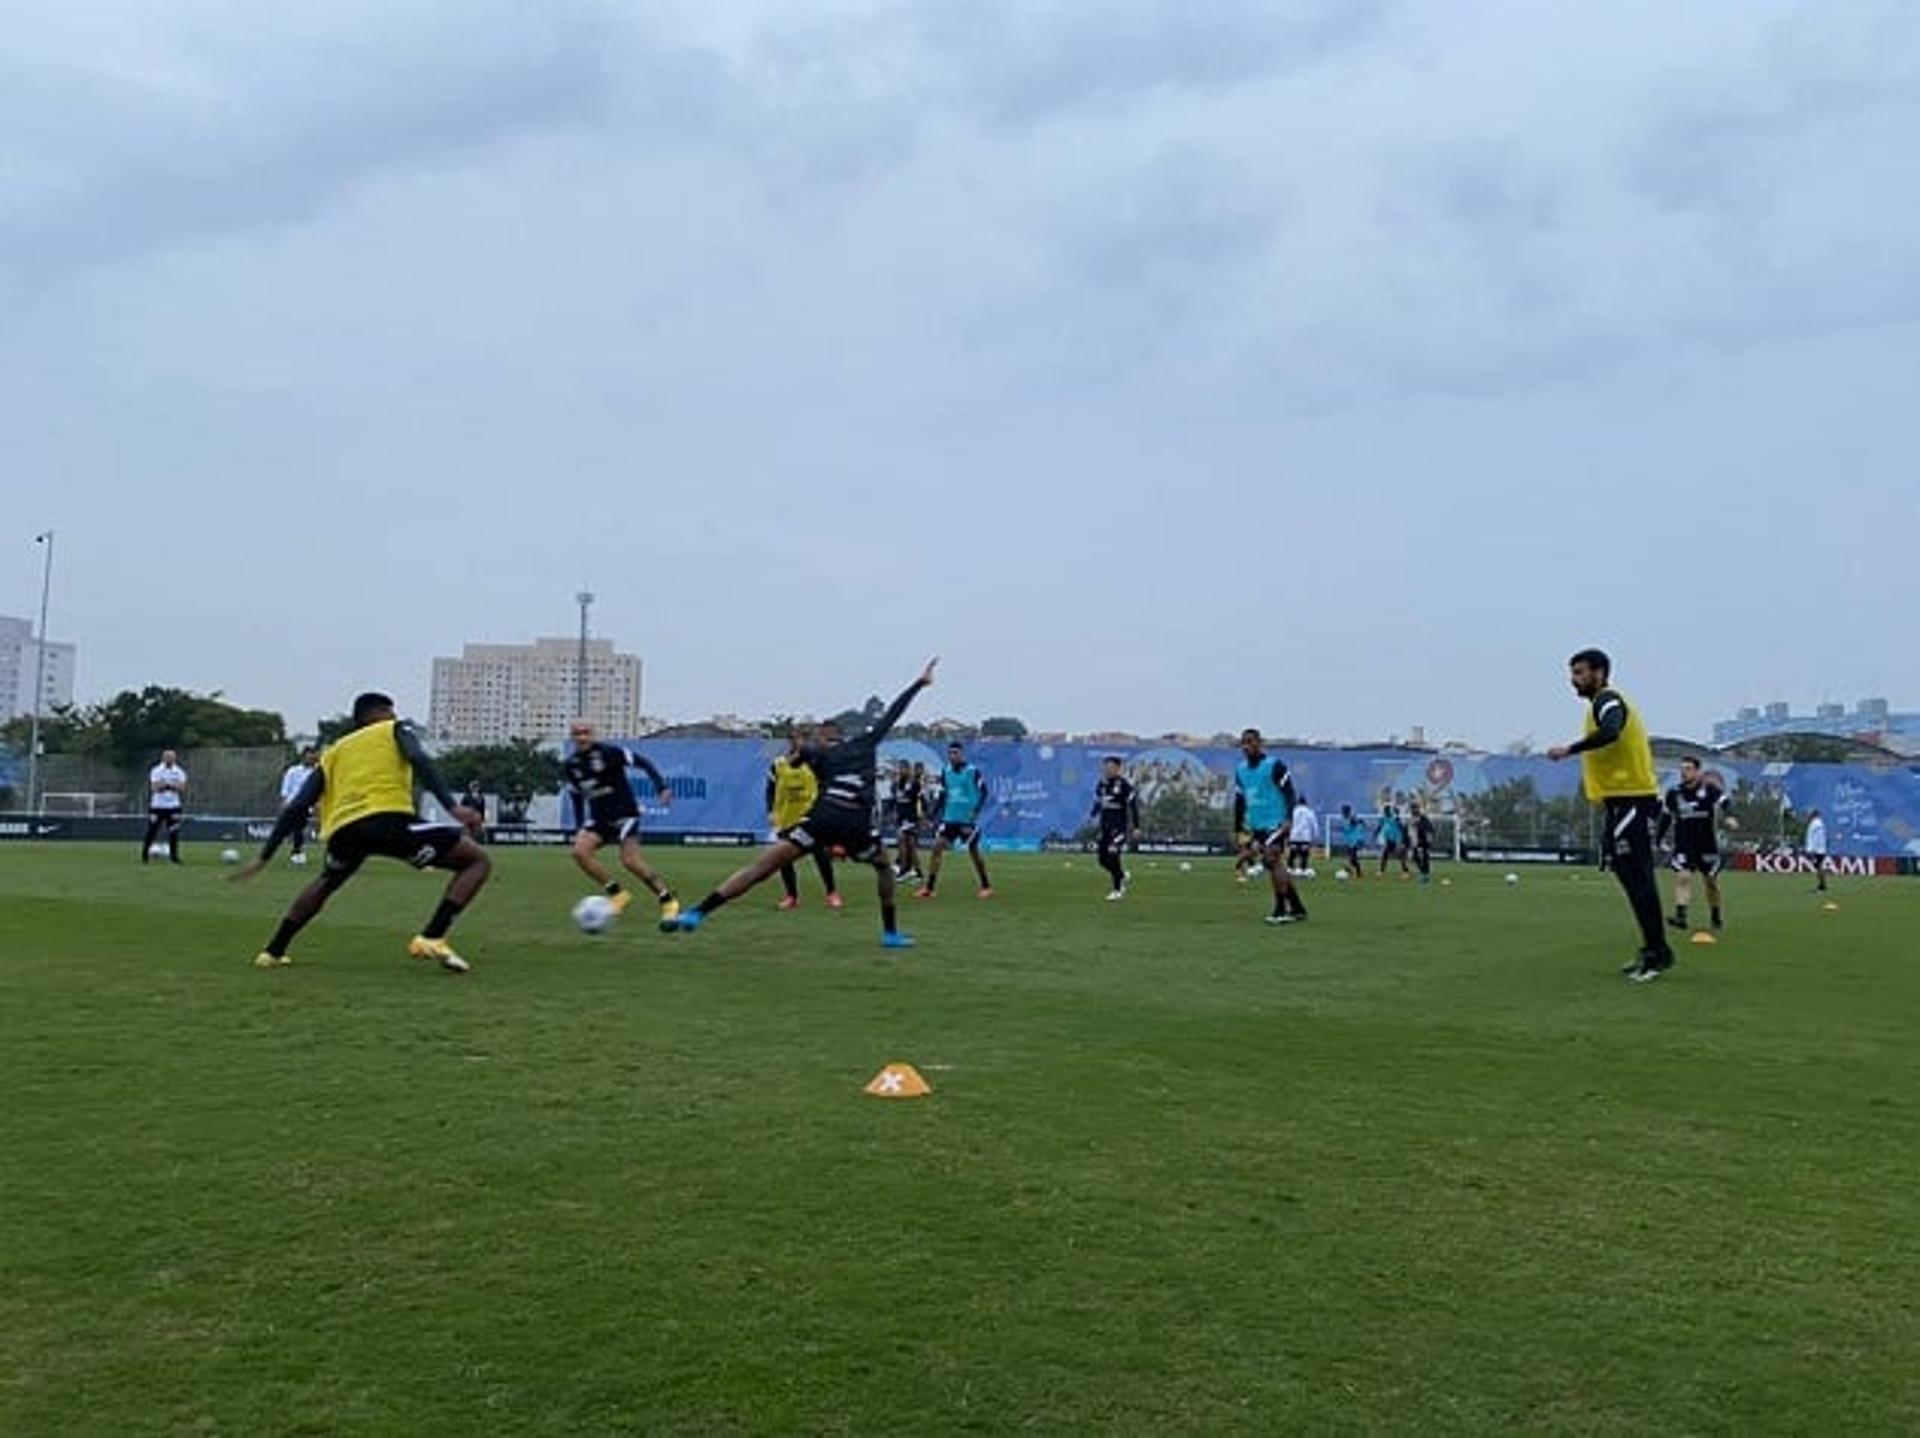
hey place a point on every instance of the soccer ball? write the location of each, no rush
(1186, 867)
(156, 851)
(1513, 878)
(229, 856)
(593, 913)
(299, 861)
(1342, 875)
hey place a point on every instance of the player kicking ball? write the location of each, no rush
(840, 821)
(363, 787)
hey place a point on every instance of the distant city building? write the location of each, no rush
(496, 692)
(1871, 721)
(19, 660)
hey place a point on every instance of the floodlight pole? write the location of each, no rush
(585, 600)
(39, 678)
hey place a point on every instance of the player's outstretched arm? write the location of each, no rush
(292, 820)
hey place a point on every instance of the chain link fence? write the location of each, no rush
(222, 783)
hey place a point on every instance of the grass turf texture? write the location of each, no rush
(1427, 1162)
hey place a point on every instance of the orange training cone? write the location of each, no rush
(899, 1081)
(1703, 937)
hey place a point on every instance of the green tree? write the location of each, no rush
(1002, 726)
(335, 727)
(65, 730)
(138, 725)
(516, 770)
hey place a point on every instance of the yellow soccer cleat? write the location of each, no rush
(265, 960)
(620, 901)
(669, 910)
(440, 951)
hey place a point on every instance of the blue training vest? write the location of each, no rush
(1266, 805)
(964, 793)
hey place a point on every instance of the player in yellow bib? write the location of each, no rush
(1616, 763)
(791, 789)
(363, 790)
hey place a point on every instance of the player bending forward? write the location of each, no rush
(364, 790)
(840, 821)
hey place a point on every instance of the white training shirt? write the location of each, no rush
(165, 774)
(1306, 825)
(1817, 836)
(293, 781)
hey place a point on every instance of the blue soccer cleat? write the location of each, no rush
(683, 923)
(896, 941)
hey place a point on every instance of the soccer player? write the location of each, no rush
(1393, 839)
(291, 783)
(1422, 843)
(1116, 804)
(1353, 839)
(963, 790)
(1263, 800)
(1815, 848)
(166, 795)
(791, 790)
(1616, 761)
(1303, 832)
(909, 784)
(606, 812)
(1688, 816)
(364, 791)
(840, 821)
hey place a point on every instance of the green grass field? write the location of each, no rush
(1426, 1163)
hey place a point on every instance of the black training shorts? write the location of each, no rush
(838, 832)
(406, 837)
(614, 831)
(959, 833)
(1698, 860)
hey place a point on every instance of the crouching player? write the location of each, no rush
(364, 790)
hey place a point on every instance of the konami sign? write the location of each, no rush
(1853, 865)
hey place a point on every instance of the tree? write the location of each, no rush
(139, 725)
(516, 770)
(65, 730)
(334, 728)
(1002, 726)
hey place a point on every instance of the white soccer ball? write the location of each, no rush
(156, 851)
(1342, 875)
(593, 913)
(1185, 867)
(229, 856)
(1308, 873)
(1513, 878)
(299, 861)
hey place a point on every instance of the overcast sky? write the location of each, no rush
(1331, 365)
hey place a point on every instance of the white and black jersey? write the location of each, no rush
(1691, 814)
(849, 770)
(599, 789)
(1116, 804)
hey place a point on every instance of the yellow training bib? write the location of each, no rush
(366, 774)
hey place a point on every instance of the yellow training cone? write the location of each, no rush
(899, 1081)
(1703, 937)
(1830, 906)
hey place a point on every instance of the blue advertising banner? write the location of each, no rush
(1042, 793)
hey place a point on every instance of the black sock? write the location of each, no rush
(1680, 912)
(612, 887)
(283, 936)
(933, 881)
(1299, 909)
(790, 881)
(442, 920)
(710, 903)
(889, 918)
(1716, 916)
